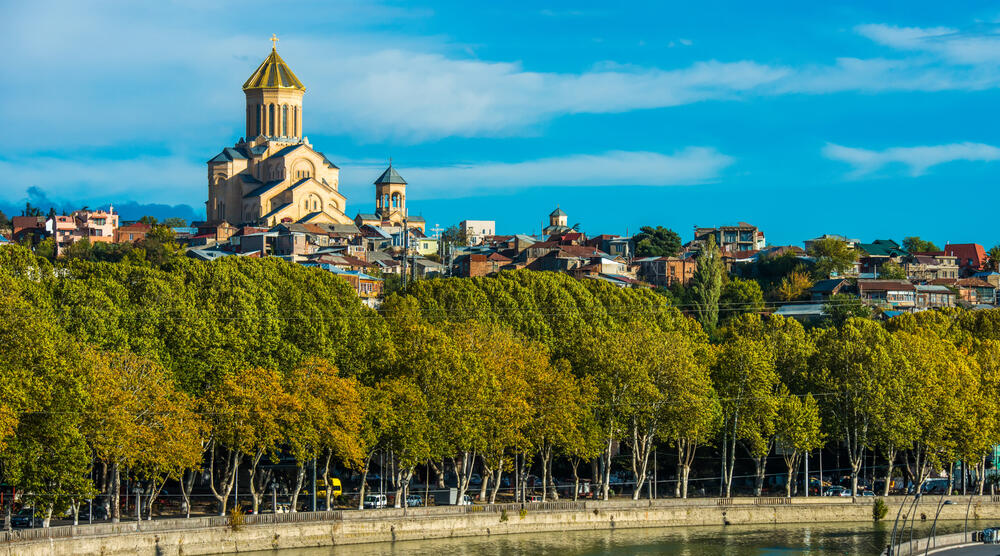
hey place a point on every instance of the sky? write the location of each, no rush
(867, 119)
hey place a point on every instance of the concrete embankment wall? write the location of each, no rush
(355, 527)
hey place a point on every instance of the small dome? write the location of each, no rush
(390, 176)
(273, 73)
(557, 212)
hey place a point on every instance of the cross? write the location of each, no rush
(274, 41)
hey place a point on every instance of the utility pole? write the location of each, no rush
(314, 486)
(406, 245)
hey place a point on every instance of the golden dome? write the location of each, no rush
(273, 73)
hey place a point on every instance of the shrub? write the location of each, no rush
(879, 510)
(236, 518)
(503, 516)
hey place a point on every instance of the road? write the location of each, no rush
(981, 550)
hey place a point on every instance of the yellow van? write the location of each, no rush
(335, 487)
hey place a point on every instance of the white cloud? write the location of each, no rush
(690, 166)
(917, 159)
(954, 45)
(165, 179)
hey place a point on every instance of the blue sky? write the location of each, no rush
(803, 118)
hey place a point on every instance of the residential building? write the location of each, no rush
(971, 291)
(478, 230)
(479, 264)
(825, 289)
(62, 229)
(665, 271)
(616, 246)
(971, 257)
(741, 237)
(131, 233)
(851, 243)
(96, 225)
(934, 297)
(426, 246)
(925, 267)
(871, 256)
(893, 294)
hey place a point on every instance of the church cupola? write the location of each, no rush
(274, 99)
(558, 218)
(390, 194)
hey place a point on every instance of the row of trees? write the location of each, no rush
(165, 372)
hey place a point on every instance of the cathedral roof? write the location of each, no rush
(228, 154)
(390, 176)
(273, 73)
(557, 212)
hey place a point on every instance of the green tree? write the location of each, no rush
(994, 258)
(455, 236)
(706, 285)
(148, 220)
(832, 256)
(739, 297)
(794, 287)
(174, 222)
(914, 244)
(891, 270)
(853, 366)
(656, 242)
(842, 306)
(799, 431)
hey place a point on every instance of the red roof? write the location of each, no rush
(580, 251)
(497, 257)
(885, 286)
(969, 254)
(974, 283)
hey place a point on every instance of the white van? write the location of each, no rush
(373, 501)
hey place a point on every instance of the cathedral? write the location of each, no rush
(274, 175)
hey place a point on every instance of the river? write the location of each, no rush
(859, 539)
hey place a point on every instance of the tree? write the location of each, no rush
(994, 258)
(455, 235)
(833, 256)
(842, 306)
(656, 242)
(799, 431)
(30, 210)
(174, 222)
(4, 221)
(891, 270)
(794, 287)
(853, 366)
(914, 244)
(148, 220)
(739, 297)
(706, 285)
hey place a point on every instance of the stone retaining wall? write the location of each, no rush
(354, 527)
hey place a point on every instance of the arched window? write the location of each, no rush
(257, 128)
(270, 122)
(284, 121)
(295, 121)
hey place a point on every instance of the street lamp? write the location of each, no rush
(934, 525)
(138, 502)
(892, 537)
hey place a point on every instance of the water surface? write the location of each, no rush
(860, 539)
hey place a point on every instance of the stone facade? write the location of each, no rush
(274, 174)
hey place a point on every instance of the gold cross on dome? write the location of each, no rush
(274, 41)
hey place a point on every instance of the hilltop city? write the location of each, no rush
(272, 194)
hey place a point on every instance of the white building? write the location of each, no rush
(477, 230)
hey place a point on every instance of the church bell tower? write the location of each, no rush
(274, 100)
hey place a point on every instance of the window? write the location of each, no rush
(270, 121)
(284, 121)
(295, 120)
(257, 127)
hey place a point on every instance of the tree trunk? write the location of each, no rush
(642, 445)
(255, 493)
(574, 463)
(228, 478)
(326, 479)
(438, 474)
(760, 466)
(545, 453)
(606, 478)
(496, 482)
(300, 475)
(187, 485)
(364, 481)
(116, 484)
(48, 517)
(890, 458)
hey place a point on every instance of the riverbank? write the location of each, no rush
(203, 536)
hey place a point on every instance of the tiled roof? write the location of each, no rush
(390, 176)
(273, 73)
(967, 252)
(974, 283)
(265, 188)
(228, 154)
(885, 285)
(288, 149)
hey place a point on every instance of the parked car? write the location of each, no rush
(467, 499)
(98, 511)
(534, 498)
(25, 517)
(867, 493)
(836, 491)
(374, 501)
(414, 500)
